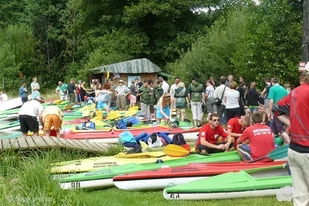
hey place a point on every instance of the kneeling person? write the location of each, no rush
(209, 134)
(28, 114)
(52, 116)
(260, 137)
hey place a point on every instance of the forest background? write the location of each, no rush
(59, 39)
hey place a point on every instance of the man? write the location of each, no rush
(23, 92)
(265, 93)
(72, 91)
(209, 135)
(165, 85)
(298, 153)
(144, 92)
(62, 90)
(236, 126)
(29, 112)
(229, 80)
(277, 92)
(35, 85)
(172, 91)
(260, 137)
(219, 93)
(196, 96)
(122, 91)
(3, 96)
(52, 116)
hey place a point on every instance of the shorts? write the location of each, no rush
(276, 126)
(209, 150)
(52, 119)
(101, 105)
(166, 111)
(266, 103)
(28, 123)
(210, 104)
(244, 149)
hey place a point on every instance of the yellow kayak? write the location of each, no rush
(89, 164)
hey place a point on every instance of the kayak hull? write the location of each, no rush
(102, 183)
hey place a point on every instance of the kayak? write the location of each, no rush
(10, 104)
(103, 177)
(260, 182)
(189, 133)
(162, 178)
(90, 164)
(9, 125)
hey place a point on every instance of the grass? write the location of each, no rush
(24, 180)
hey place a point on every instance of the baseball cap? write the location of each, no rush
(120, 81)
(36, 95)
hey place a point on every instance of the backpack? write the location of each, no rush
(88, 125)
(120, 124)
(178, 139)
(154, 141)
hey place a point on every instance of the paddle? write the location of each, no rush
(278, 153)
(173, 150)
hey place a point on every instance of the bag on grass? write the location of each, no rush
(178, 139)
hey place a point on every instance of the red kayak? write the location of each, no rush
(112, 136)
(162, 178)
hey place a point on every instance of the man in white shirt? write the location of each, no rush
(35, 85)
(122, 93)
(219, 94)
(28, 114)
(3, 96)
(172, 91)
(165, 85)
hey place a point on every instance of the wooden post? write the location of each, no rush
(305, 38)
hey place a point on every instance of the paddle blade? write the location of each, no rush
(175, 151)
(279, 152)
(186, 146)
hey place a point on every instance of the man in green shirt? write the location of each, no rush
(144, 93)
(62, 90)
(277, 92)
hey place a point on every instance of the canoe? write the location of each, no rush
(103, 177)
(90, 164)
(260, 182)
(162, 178)
(10, 104)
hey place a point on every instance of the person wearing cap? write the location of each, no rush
(62, 90)
(196, 97)
(52, 116)
(29, 113)
(122, 91)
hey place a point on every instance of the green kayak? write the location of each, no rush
(267, 181)
(8, 125)
(103, 177)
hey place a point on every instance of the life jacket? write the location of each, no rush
(180, 95)
(196, 92)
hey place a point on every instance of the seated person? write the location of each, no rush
(52, 116)
(208, 137)
(236, 126)
(260, 138)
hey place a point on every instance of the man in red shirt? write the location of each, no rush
(209, 135)
(236, 126)
(261, 140)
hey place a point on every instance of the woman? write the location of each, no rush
(163, 109)
(181, 99)
(231, 99)
(133, 92)
(102, 98)
(82, 91)
(253, 98)
(210, 100)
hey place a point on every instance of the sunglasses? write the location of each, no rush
(167, 96)
(215, 120)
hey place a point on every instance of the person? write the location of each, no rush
(35, 85)
(229, 80)
(252, 98)
(231, 100)
(122, 91)
(157, 92)
(145, 98)
(260, 138)
(103, 98)
(208, 139)
(82, 91)
(277, 92)
(23, 92)
(196, 98)
(265, 93)
(298, 152)
(29, 112)
(62, 90)
(72, 91)
(219, 94)
(3, 96)
(236, 126)
(181, 101)
(242, 89)
(163, 109)
(52, 116)
(133, 92)
(210, 100)
(213, 81)
(172, 91)
(165, 85)
(288, 88)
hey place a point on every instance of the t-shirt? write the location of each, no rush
(165, 87)
(267, 87)
(71, 88)
(235, 127)
(34, 86)
(210, 90)
(104, 96)
(23, 92)
(211, 135)
(122, 90)
(133, 89)
(232, 99)
(31, 108)
(261, 140)
(52, 109)
(277, 92)
(173, 88)
(63, 88)
(219, 91)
